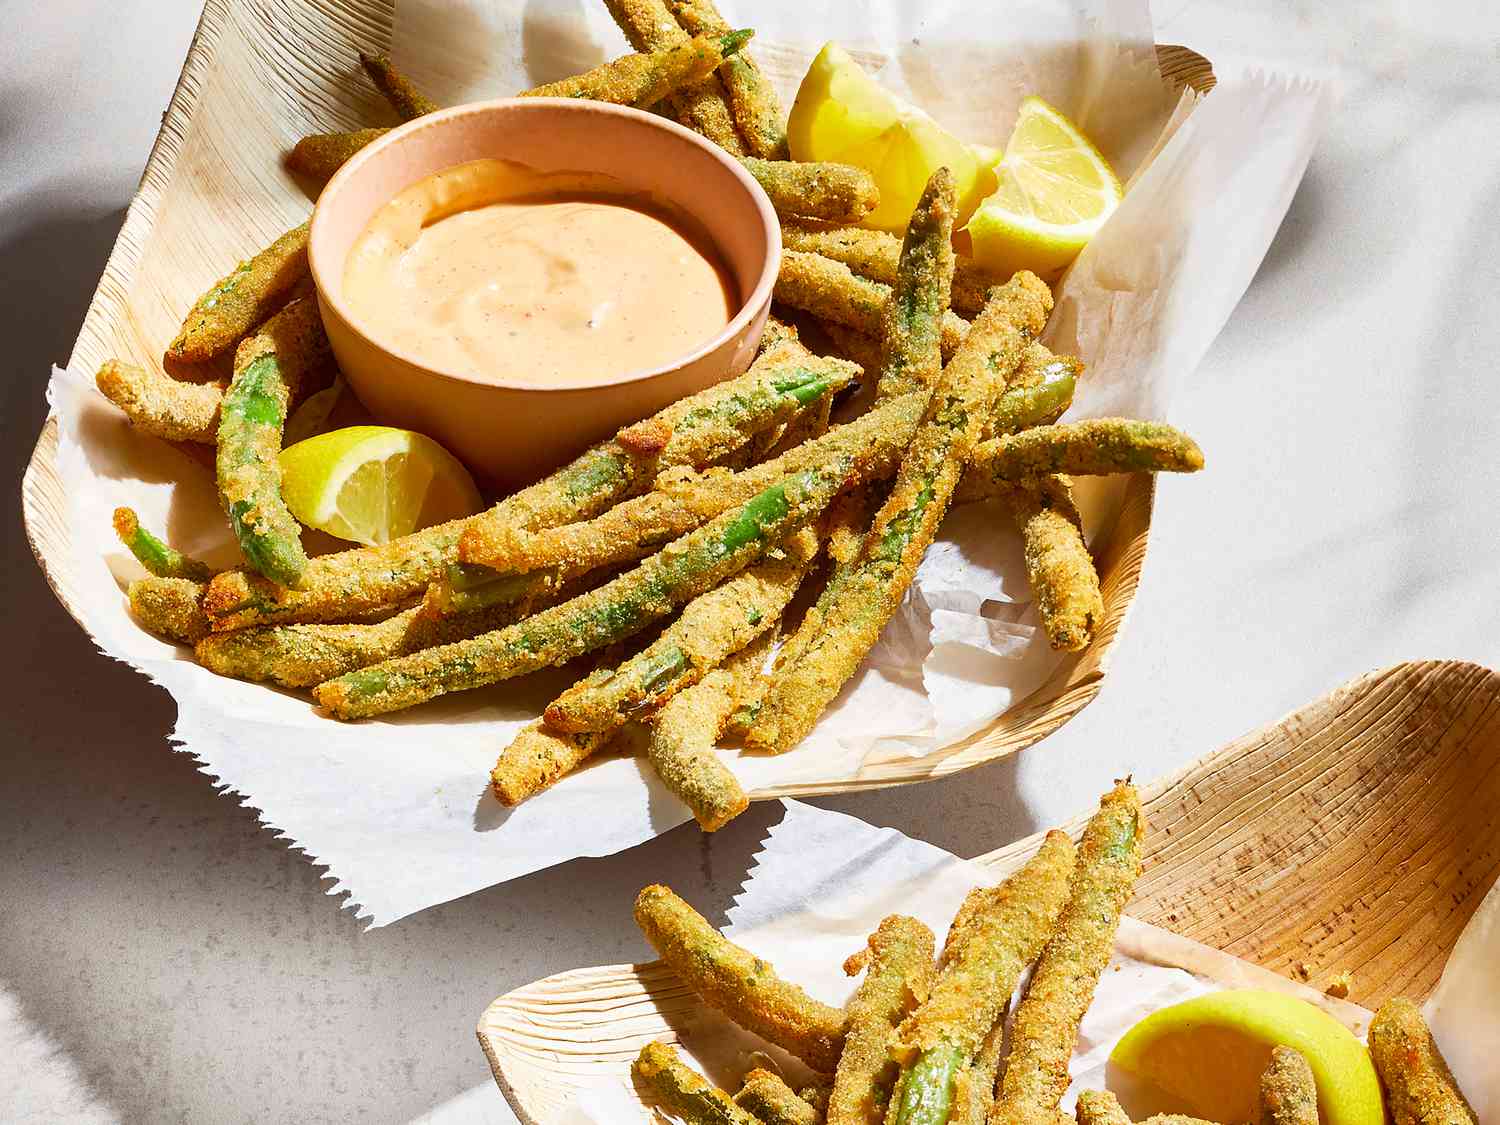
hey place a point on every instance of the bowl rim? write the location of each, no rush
(750, 304)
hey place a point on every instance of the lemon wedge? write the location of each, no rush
(1053, 192)
(843, 115)
(371, 484)
(1205, 1056)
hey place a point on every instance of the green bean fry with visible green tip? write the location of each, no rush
(1045, 1030)
(838, 193)
(773, 1102)
(269, 368)
(1006, 933)
(617, 610)
(155, 555)
(831, 291)
(644, 79)
(409, 102)
(693, 431)
(672, 1084)
(738, 983)
(847, 620)
(752, 100)
(238, 302)
(898, 975)
(1095, 447)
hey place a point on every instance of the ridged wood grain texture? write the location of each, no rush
(1358, 834)
(260, 74)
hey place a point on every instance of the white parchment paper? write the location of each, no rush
(398, 809)
(823, 882)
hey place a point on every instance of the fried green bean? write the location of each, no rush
(752, 100)
(156, 556)
(643, 80)
(237, 303)
(1043, 389)
(898, 975)
(947, 1033)
(1045, 1030)
(737, 983)
(875, 254)
(301, 656)
(694, 431)
(1096, 447)
(1100, 1107)
(685, 730)
(831, 291)
(773, 1102)
(1288, 1093)
(269, 369)
(319, 155)
(871, 446)
(974, 1084)
(847, 620)
(911, 319)
(678, 1088)
(814, 189)
(537, 758)
(1418, 1084)
(160, 405)
(678, 573)
(408, 102)
(711, 627)
(1058, 564)
(169, 607)
(650, 26)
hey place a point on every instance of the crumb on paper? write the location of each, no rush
(1302, 970)
(1340, 984)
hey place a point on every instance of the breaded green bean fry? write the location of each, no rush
(974, 1084)
(672, 1084)
(752, 100)
(1288, 1093)
(319, 155)
(874, 254)
(947, 1033)
(1418, 1084)
(911, 320)
(831, 291)
(848, 620)
(898, 975)
(409, 102)
(1043, 389)
(839, 193)
(683, 733)
(537, 758)
(737, 983)
(169, 607)
(1045, 1030)
(693, 431)
(643, 80)
(649, 26)
(1100, 1107)
(153, 554)
(237, 303)
(679, 572)
(1058, 564)
(711, 627)
(161, 405)
(1095, 447)
(269, 369)
(773, 1102)
(872, 445)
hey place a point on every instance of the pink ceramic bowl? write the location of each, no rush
(510, 434)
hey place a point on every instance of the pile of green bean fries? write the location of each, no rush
(672, 554)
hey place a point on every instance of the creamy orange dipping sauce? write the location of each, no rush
(496, 271)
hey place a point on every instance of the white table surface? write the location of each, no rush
(163, 959)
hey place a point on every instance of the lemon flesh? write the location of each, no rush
(1205, 1056)
(841, 114)
(1053, 191)
(372, 484)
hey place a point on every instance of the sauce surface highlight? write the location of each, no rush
(498, 272)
